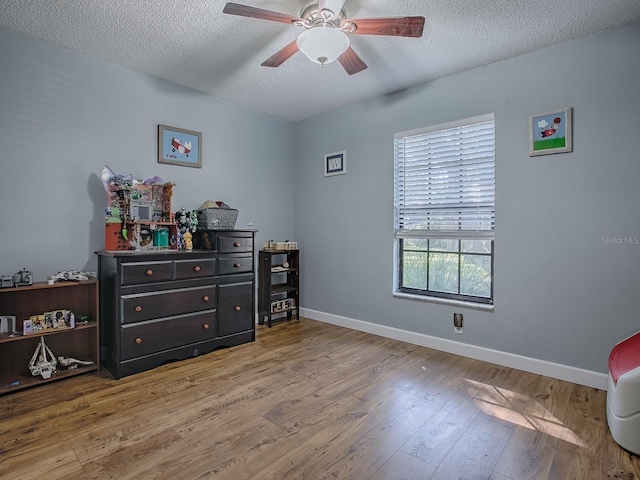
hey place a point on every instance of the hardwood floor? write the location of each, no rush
(314, 401)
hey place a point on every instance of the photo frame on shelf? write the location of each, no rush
(550, 132)
(177, 146)
(335, 163)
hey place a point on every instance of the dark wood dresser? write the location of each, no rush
(160, 306)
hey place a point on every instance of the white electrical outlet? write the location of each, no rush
(458, 330)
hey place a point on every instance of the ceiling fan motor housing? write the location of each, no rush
(312, 15)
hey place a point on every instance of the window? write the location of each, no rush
(444, 199)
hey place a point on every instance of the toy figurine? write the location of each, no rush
(181, 219)
(23, 277)
(188, 243)
(43, 362)
(187, 223)
(71, 363)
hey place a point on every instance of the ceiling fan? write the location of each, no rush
(326, 25)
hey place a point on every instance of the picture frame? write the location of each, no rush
(177, 146)
(335, 163)
(550, 132)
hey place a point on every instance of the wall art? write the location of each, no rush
(550, 132)
(177, 146)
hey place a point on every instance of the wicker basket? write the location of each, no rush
(217, 218)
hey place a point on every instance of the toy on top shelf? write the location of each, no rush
(114, 183)
(22, 278)
(135, 210)
(187, 241)
(72, 276)
(286, 245)
(187, 223)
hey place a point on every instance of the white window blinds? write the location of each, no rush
(445, 180)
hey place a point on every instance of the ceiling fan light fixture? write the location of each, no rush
(323, 44)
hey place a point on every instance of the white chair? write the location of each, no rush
(623, 394)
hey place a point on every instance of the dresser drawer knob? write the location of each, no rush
(236, 265)
(236, 244)
(138, 308)
(196, 268)
(138, 340)
(236, 308)
(149, 272)
(205, 326)
(205, 298)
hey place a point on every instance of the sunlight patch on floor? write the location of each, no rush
(506, 405)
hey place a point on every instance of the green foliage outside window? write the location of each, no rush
(449, 270)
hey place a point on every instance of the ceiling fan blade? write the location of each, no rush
(351, 62)
(253, 12)
(398, 27)
(281, 55)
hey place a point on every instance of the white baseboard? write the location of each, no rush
(533, 365)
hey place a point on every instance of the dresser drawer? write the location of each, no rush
(234, 243)
(146, 272)
(235, 264)
(204, 267)
(235, 308)
(159, 335)
(145, 306)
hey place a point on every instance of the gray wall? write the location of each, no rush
(64, 115)
(561, 293)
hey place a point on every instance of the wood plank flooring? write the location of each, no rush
(313, 401)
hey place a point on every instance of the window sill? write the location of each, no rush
(444, 301)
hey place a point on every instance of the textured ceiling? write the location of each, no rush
(192, 43)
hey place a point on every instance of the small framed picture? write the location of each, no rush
(335, 163)
(177, 146)
(550, 132)
(27, 327)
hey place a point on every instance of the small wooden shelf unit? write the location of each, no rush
(81, 342)
(278, 286)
